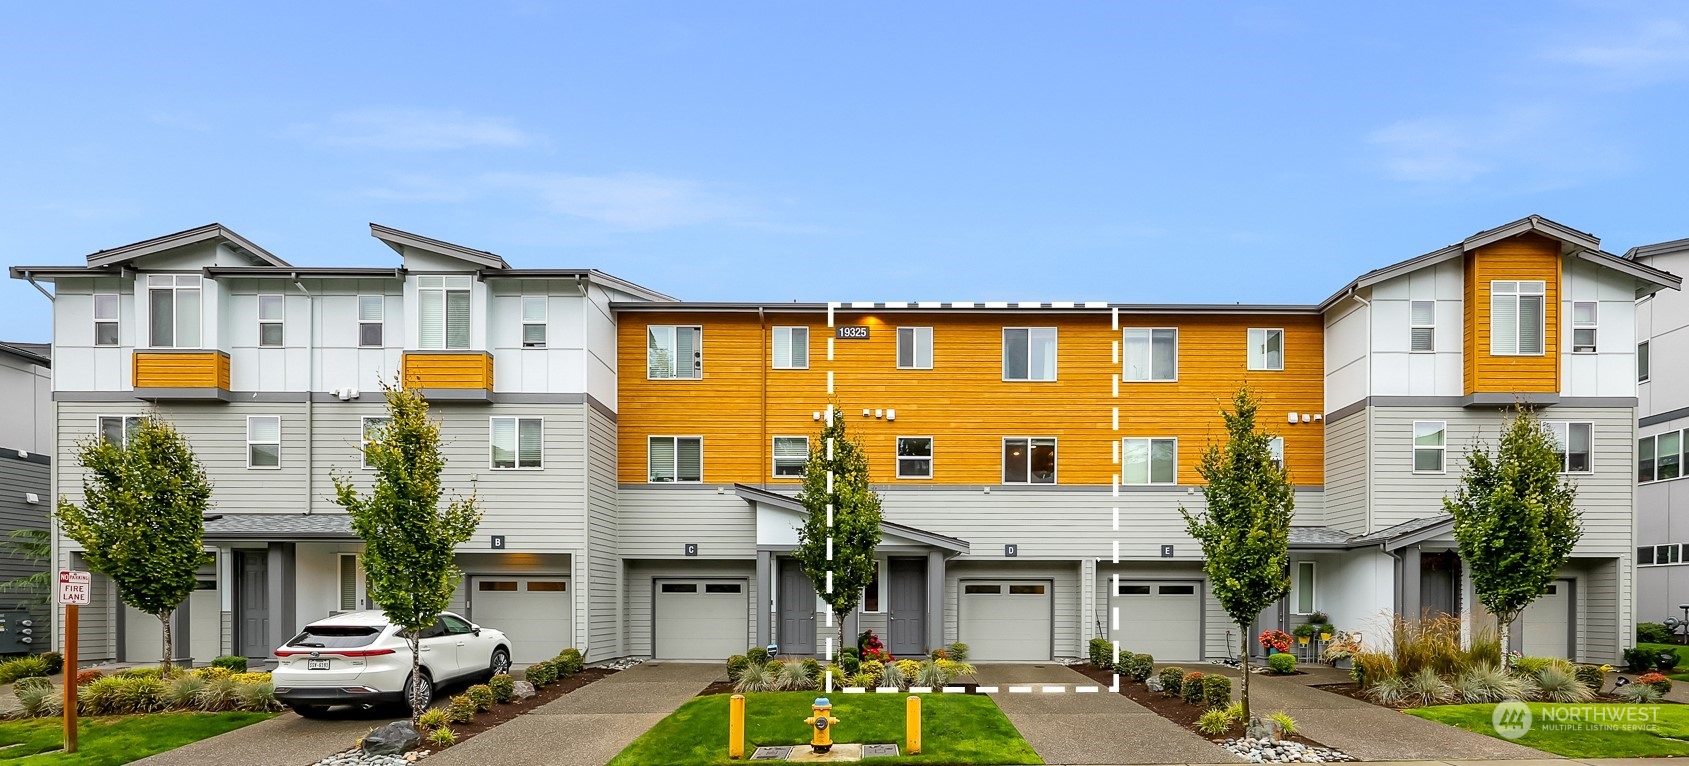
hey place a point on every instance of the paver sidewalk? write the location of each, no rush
(1095, 728)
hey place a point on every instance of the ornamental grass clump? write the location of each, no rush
(1641, 694)
(432, 718)
(1214, 723)
(1286, 724)
(1428, 688)
(1389, 691)
(756, 678)
(1555, 684)
(793, 677)
(1487, 683)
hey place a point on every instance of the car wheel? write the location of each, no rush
(311, 711)
(500, 663)
(424, 689)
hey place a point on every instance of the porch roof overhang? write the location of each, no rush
(279, 526)
(1390, 538)
(786, 502)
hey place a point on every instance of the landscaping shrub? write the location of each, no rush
(540, 674)
(219, 694)
(1372, 667)
(1286, 724)
(756, 678)
(1234, 711)
(874, 669)
(1592, 676)
(213, 673)
(940, 653)
(956, 669)
(55, 662)
(31, 683)
(959, 652)
(1138, 666)
(1667, 660)
(1530, 666)
(793, 676)
(432, 718)
(1555, 684)
(22, 667)
(151, 671)
(850, 662)
(757, 655)
(254, 677)
(137, 694)
(871, 648)
(503, 687)
(85, 677)
(1487, 683)
(183, 690)
(1641, 694)
(906, 672)
(461, 709)
(1190, 688)
(1214, 723)
(442, 737)
(736, 665)
(812, 670)
(1427, 687)
(569, 662)
(933, 673)
(258, 697)
(36, 701)
(1282, 664)
(1655, 680)
(482, 695)
(1653, 633)
(865, 680)
(1389, 690)
(1102, 653)
(235, 663)
(1171, 677)
(1216, 691)
(1484, 648)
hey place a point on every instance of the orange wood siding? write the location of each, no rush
(168, 369)
(963, 402)
(436, 369)
(1525, 257)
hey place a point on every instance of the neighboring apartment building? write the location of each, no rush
(26, 448)
(1662, 500)
(638, 456)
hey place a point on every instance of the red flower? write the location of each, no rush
(1275, 639)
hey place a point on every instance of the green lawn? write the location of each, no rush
(1667, 737)
(1682, 654)
(112, 740)
(956, 729)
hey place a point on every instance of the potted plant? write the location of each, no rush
(1304, 633)
(1318, 618)
(1274, 640)
(1327, 630)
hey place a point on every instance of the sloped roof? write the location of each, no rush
(1405, 533)
(35, 353)
(750, 493)
(278, 526)
(211, 231)
(399, 240)
(1658, 248)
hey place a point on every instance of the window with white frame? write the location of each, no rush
(1583, 327)
(1029, 460)
(1572, 443)
(1668, 455)
(914, 457)
(1302, 588)
(351, 584)
(1660, 555)
(1642, 362)
(1029, 353)
(1516, 318)
(791, 348)
(914, 348)
(676, 459)
(174, 314)
(872, 601)
(272, 310)
(534, 311)
(1422, 328)
(115, 429)
(1149, 461)
(790, 453)
(1275, 451)
(1430, 443)
(1266, 348)
(371, 430)
(674, 352)
(442, 311)
(1645, 459)
(372, 313)
(263, 441)
(105, 319)
(1150, 354)
(516, 442)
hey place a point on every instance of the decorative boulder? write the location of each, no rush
(1262, 729)
(395, 738)
(1153, 684)
(523, 690)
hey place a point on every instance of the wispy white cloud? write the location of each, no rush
(1430, 149)
(623, 201)
(1513, 149)
(401, 129)
(1652, 51)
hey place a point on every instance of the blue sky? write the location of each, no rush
(1141, 152)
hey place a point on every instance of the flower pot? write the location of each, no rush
(1303, 640)
(1325, 636)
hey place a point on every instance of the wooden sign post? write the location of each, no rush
(74, 591)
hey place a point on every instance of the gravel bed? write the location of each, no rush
(355, 757)
(1284, 751)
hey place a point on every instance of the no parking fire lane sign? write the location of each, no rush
(74, 587)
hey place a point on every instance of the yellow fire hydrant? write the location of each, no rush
(822, 721)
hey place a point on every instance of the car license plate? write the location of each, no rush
(316, 664)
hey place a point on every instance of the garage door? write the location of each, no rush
(1547, 621)
(1162, 619)
(1005, 620)
(701, 619)
(534, 612)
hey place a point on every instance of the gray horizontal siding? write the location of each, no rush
(656, 523)
(603, 610)
(18, 477)
(1346, 473)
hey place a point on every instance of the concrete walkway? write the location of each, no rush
(286, 740)
(1095, 728)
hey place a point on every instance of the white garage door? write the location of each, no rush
(1547, 621)
(1005, 620)
(1161, 619)
(534, 612)
(701, 619)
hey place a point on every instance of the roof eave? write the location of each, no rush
(398, 239)
(212, 231)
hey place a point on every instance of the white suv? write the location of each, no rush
(357, 658)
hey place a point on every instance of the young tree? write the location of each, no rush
(1245, 529)
(409, 536)
(36, 547)
(1514, 519)
(142, 517)
(837, 541)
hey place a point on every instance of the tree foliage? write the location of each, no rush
(142, 517)
(854, 527)
(410, 537)
(1245, 527)
(34, 546)
(1515, 518)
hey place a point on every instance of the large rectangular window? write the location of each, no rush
(517, 442)
(1422, 330)
(914, 348)
(272, 310)
(1645, 459)
(105, 319)
(914, 457)
(372, 429)
(371, 313)
(442, 312)
(676, 459)
(790, 453)
(1642, 362)
(1516, 318)
(1583, 327)
(1667, 455)
(1302, 588)
(1029, 460)
(175, 314)
(1430, 444)
(535, 310)
(1149, 461)
(791, 348)
(1572, 443)
(674, 352)
(117, 428)
(263, 441)
(1266, 349)
(871, 592)
(1029, 353)
(1150, 353)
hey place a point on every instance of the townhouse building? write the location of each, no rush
(26, 447)
(1662, 501)
(639, 456)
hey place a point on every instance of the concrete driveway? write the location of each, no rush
(1093, 728)
(286, 740)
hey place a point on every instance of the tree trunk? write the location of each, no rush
(1506, 658)
(1245, 693)
(416, 676)
(168, 640)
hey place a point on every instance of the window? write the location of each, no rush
(1302, 588)
(914, 348)
(1177, 590)
(1150, 354)
(1583, 327)
(271, 310)
(790, 453)
(721, 587)
(372, 428)
(1275, 448)
(263, 441)
(1516, 318)
(348, 582)
(516, 442)
(1266, 349)
(1429, 444)
(982, 590)
(1668, 554)
(1666, 456)
(871, 592)
(117, 428)
(1422, 328)
(1572, 444)
(1645, 459)
(371, 312)
(680, 587)
(791, 348)
(676, 459)
(534, 310)
(455, 625)
(674, 352)
(1026, 590)
(1029, 460)
(547, 586)
(442, 311)
(1645, 554)
(105, 319)
(914, 457)
(174, 302)
(1642, 362)
(1029, 353)
(1133, 590)
(1148, 461)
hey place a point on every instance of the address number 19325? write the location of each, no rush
(851, 333)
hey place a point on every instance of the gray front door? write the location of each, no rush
(252, 603)
(1439, 584)
(908, 627)
(797, 610)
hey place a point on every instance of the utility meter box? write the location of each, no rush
(20, 632)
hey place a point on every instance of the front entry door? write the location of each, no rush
(253, 603)
(908, 627)
(797, 610)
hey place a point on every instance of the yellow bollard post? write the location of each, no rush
(736, 727)
(912, 724)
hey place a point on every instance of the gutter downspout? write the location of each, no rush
(37, 285)
(310, 396)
